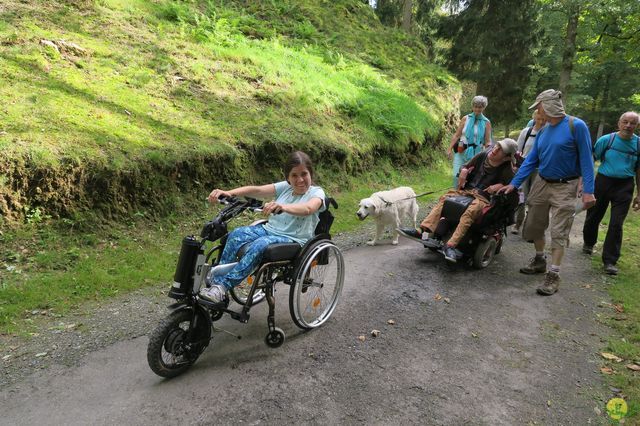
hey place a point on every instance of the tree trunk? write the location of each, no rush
(506, 131)
(569, 51)
(407, 11)
(603, 104)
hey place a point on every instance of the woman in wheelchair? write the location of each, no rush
(482, 176)
(294, 211)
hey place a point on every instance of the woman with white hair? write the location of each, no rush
(471, 137)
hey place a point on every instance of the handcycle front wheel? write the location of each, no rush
(318, 284)
(173, 347)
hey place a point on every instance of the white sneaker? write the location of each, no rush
(216, 293)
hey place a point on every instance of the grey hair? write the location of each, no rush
(480, 100)
(632, 113)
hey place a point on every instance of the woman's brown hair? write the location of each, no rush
(295, 159)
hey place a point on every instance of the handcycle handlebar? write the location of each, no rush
(216, 228)
(249, 203)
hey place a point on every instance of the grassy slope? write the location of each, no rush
(624, 317)
(173, 94)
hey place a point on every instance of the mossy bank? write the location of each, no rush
(115, 107)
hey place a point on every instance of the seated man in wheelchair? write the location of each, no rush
(481, 177)
(295, 213)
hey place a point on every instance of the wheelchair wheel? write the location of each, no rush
(275, 338)
(318, 283)
(240, 292)
(484, 253)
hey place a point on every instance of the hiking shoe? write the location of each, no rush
(537, 265)
(216, 293)
(550, 285)
(452, 254)
(611, 269)
(432, 243)
(587, 249)
(414, 234)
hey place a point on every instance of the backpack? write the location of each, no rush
(612, 136)
(572, 128)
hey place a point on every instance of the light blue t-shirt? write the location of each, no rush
(298, 228)
(621, 159)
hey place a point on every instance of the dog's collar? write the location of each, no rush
(388, 203)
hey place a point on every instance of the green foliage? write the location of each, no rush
(493, 45)
(604, 78)
(625, 341)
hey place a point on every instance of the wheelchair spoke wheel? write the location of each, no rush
(317, 286)
(240, 292)
(172, 348)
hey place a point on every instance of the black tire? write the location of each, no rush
(168, 353)
(484, 253)
(318, 284)
(275, 338)
(240, 292)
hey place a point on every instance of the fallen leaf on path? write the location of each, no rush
(6, 357)
(606, 370)
(392, 322)
(634, 367)
(548, 403)
(437, 296)
(41, 354)
(375, 333)
(362, 338)
(447, 300)
(474, 334)
(618, 307)
(612, 357)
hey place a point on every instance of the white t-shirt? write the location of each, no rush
(298, 228)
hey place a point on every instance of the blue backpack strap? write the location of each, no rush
(612, 136)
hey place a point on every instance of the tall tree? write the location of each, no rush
(492, 43)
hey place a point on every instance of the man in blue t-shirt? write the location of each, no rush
(562, 153)
(619, 165)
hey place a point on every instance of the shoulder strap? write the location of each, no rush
(526, 137)
(572, 127)
(612, 136)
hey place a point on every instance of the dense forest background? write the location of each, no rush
(512, 50)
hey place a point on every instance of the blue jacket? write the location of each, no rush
(560, 153)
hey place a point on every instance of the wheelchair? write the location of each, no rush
(485, 237)
(314, 273)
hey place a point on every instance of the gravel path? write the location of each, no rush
(467, 346)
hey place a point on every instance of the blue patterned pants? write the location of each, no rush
(258, 239)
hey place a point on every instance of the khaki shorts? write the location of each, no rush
(546, 199)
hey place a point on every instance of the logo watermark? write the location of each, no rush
(617, 408)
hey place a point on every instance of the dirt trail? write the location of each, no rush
(467, 346)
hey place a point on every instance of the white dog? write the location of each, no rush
(389, 208)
